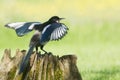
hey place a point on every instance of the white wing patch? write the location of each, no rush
(59, 32)
(45, 29)
(22, 28)
(15, 25)
(32, 26)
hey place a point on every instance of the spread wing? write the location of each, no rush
(59, 32)
(54, 31)
(22, 28)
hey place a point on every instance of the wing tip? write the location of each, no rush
(6, 25)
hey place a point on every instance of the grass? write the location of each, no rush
(97, 49)
(93, 35)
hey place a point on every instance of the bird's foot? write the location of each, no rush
(48, 53)
(39, 53)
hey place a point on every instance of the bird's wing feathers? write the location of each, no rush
(59, 32)
(23, 28)
(53, 31)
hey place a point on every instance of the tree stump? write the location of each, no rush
(41, 67)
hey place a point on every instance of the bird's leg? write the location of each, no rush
(36, 49)
(41, 47)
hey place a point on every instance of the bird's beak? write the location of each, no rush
(61, 18)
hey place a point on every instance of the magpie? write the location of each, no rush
(50, 30)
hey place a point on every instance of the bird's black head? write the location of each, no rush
(55, 19)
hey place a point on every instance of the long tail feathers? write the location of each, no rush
(25, 61)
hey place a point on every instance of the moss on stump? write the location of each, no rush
(42, 67)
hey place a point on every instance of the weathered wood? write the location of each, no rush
(42, 67)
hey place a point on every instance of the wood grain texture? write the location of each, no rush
(41, 67)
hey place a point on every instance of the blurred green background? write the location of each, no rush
(94, 32)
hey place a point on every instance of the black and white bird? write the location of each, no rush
(44, 32)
